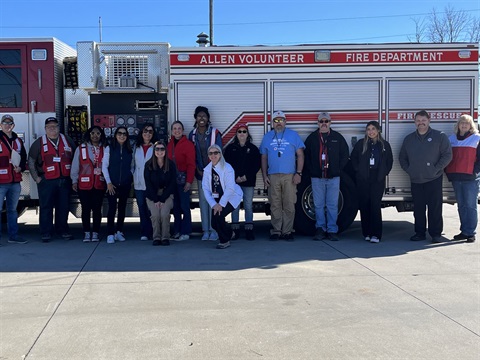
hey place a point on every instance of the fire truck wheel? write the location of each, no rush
(305, 208)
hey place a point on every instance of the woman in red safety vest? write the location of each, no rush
(88, 180)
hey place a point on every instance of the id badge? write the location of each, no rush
(215, 195)
(372, 161)
(56, 159)
(324, 157)
(97, 171)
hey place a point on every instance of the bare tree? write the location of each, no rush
(448, 26)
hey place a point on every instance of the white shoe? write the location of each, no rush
(95, 237)
(119, 236)
(110, 239)
(367, 238)
(144, 238)
(374, 239)
(183, 237)
(213, 236)
(87, 237)
(206, 236)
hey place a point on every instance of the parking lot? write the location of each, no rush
(255, 300)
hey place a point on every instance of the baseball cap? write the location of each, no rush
(324, 115)
(242, 125)
(51, 119)
(7, 117)
(278, 114)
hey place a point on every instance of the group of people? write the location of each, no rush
(163, 173)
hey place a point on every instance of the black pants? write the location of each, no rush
(428, 195)
(54, 194)
(121, 195)
(220, 225)
(92, 201)
(370, 193)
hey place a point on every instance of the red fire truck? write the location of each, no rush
(130, 83)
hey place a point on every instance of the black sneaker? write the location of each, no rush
(319, 234)
(471, 239)
(165, 242)
(460, 236)
(157, 242)
(249, 235)
(67, 236)
(46, 238)
(17, 240)
(274, 237)
(332, 237)
(418, 237)
(223, 245)
(437, 239)
(287, 237)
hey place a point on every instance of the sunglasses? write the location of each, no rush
(7, 123)
(122, 133)
(159, 149)
(214, 153)
(242, 131)
(278, 120)
(148, 131)
(323, 121)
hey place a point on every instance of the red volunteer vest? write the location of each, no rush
(7, 175)
(56, 162)
(90, 175)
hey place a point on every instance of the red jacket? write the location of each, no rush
(183, 155)
(90, 175)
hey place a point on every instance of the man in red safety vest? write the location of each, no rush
(13, 159)
(49, 162)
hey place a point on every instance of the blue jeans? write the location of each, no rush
(146, 228)
(247, 206)
(181, 206)
(325, 197)
(205, 211)
(10, 192)
(466, 193)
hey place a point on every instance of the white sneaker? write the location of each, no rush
(213, 236)
(367, 238)
(110, 239)
(87, 237)
(95, 237)
(144, 238)
(374, 239)
(183, 237)
(119, 236)
(206, 236)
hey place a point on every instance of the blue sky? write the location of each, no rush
(237, 22)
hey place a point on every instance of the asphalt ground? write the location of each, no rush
(255, 300)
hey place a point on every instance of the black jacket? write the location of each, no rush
(361, 162)
(337, 150)
(158, 179)
(245, 160)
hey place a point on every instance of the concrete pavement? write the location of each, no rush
(256, 300)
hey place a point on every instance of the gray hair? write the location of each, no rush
(221, 162)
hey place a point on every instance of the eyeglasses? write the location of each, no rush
(95, 133)
(242, 131)
(214, 153)
(7, 123)
(323, 121)
(278, 120)
(122, 133)
(146, 131)
(159, 149)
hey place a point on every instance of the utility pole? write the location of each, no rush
(211, 22)
(100, 27)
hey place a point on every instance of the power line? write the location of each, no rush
(230, 24)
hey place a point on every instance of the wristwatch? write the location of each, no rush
(298, 173)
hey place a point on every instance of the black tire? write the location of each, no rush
(305, 208)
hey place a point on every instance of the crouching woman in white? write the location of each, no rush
(221, 192)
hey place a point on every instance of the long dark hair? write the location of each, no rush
(86, 136)
(379, 139)
(114, 143)
(139, 140)
(152, 163)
